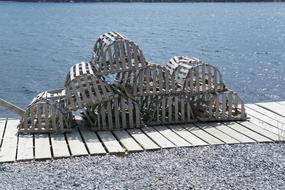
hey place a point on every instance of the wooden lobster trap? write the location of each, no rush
(84, 88)
(166, 109)
(115, 53)
(224, 106)
(118, 113)
(46, 113)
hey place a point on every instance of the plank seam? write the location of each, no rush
(270, 110)
(256, 131)
(2, 137)
(16, 156)
(151, 138)
(196, 136)
(34, 147)
(84, 142)
(241, 133)
(210, 134)
(264, 114)
(165, 136)
(101, 141)
(50, 146)
(228, 134)
(134, 139)
(67, 143)
(265, 122)
(181, 136)
(126, 150)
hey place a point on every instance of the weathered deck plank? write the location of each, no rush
(233, 133)
(25, 147)
(218, 134)
(110, 142)
(2, 127)
(260, 130)
(264, 121)
(253, 135)
(42, 146)
(202, 134)
(127, 141)
(9, 144)
(142, 139)
(59, 146)
(273, 107)
(76, 144)
(172, 137)
(93, 143)
(266, 112)
(194, 140)
(157, 137)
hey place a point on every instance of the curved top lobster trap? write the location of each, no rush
(115, 53)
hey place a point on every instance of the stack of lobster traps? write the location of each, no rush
(120, 89)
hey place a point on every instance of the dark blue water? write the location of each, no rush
(40, 41)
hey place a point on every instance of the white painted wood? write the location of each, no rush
(142, 139)
(260, 130)
(274, 107)
(127, 141)
(93, 143)
(202, 134)
(25, 147)
(158, 138)
(59, 146)
(76, 144)
(2, 127)
(266, 125)
(257, 137)
(256, 117)
(110, 142)
(234, 134)
(281, 102)
(42, 146)
(194, 140)
(171, 136)
(218, 134)
(266, 112)
(9, 145)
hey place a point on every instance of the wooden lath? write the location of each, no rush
(114, 53)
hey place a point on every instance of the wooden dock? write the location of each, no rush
(266, 124)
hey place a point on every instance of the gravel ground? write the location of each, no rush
(242, 166)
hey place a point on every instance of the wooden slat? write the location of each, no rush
(59, 146)
(93, 143)
(171, 136)
(76, 144)
(256, 116)
(142, 139)
(25, 147)
(253, 135)
(127, 141)
(42, 146)
(9, 145)
(260, 130)
(194, 140)
(267, 126)
(157, 137)
(218, 134)
(266, 112)
(281, 102)
(234, 134)
(110, 142)
(274, 107)
(2, 127)
(202, 134)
